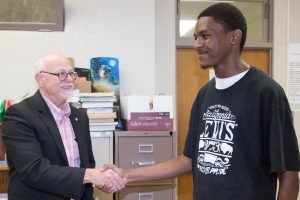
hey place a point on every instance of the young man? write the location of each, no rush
(241, 137)
(48, 142)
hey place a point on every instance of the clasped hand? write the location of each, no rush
(105, 179)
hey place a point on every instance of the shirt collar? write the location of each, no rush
(223, 83)
(56, 111)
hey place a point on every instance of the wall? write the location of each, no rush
(294, 28)
(165, 51)
(123, 29)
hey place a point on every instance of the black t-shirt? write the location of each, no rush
(239, 138)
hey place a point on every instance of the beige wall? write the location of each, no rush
(294, 27)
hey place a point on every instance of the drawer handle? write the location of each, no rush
(141, 164)
(145, 148)
(146, 196)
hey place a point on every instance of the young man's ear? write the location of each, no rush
(236, 36)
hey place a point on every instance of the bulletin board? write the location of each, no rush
(32, 15)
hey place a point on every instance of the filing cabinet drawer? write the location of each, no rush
(143, 151)
(147, 193)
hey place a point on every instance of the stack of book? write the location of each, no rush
(100, 110)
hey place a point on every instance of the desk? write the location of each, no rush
(3, 178)
(3, 168)
(2, 147)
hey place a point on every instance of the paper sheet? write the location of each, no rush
(294, 76)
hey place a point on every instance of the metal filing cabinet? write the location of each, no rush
(102, 143)
(140, 149)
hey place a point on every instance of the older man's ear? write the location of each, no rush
(40, 79)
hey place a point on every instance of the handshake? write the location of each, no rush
(109, 179)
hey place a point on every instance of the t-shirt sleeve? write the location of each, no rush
(191, 138)
(281, 140)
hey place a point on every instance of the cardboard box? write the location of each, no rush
(139, 104)
(134, 103)
(83, 86)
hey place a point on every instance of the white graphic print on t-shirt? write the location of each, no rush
(216, 142)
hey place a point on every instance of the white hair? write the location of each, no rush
(44, 62)
(40, 65)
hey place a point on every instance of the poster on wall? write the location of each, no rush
(294, 76)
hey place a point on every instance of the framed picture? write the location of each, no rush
(32, 15)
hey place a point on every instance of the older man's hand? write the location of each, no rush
(105, 180)
(119, 171)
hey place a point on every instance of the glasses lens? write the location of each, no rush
(62, 76)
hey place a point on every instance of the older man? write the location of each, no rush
(48, 144)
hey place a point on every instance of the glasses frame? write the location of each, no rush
(62, 76)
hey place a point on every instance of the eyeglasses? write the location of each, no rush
(62, 76)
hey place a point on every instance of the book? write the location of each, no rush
(2, 109)
(103, 123)
(102, 115)
(100, 98)
(100, 110)
(97, 94)
(105, 74)
(97, 104)
(149, 125)
(100, 120)
(149, 115)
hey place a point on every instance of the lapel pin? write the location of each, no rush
(76, 119)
